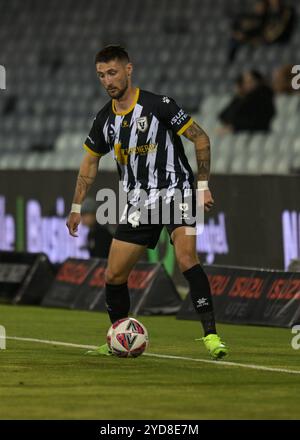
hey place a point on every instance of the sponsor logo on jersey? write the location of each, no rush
(121, 154)
(142, 149)
(125, 124)
(179, 118)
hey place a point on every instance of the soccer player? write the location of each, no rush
(142, 131)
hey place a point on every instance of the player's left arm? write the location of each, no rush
(200, 139)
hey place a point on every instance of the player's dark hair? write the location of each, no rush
(257, 75)
(112, 52)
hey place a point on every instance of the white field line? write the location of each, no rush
(164, 356)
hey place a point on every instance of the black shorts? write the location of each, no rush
(148, 233)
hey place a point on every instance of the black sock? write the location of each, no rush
(201, 297)
(117, 301)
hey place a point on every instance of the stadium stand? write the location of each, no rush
(52, 92)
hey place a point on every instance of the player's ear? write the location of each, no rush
(129, 69)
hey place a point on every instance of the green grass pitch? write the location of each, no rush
(40, 381)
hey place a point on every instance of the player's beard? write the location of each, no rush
(120, 92)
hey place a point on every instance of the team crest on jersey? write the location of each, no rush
(142, 124)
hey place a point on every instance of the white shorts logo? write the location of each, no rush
(184, 207)
(142, 124)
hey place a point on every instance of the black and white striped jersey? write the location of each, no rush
(145, 142)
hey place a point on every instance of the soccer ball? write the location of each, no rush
(127, 338)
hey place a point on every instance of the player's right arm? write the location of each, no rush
(197, 135)
(96, 147)
(86, 176)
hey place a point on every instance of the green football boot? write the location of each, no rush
(103, 350)
(216, 348)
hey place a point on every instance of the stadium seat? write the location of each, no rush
(58, 95)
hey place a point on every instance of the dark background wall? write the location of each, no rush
(245, 228)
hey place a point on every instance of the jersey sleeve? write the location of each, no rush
(95, 143)
(173, 116)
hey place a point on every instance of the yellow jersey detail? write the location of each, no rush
(137, 94)
(187, 125)
(93, 153)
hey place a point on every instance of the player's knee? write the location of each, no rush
(186, 261)
(114, 277)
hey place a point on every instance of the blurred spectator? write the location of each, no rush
(280, 22)
(271, 21)
(99, 237)
(248, 28)
(228, 112)
(282, 79)
(253, 108)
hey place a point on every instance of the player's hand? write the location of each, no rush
(206, 198)
(72, 223)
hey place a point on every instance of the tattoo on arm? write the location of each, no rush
(83, 184)
(203, 161)
(193, 132)
(86, 176)
(202, 147)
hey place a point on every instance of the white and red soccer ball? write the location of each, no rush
(127, 338)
